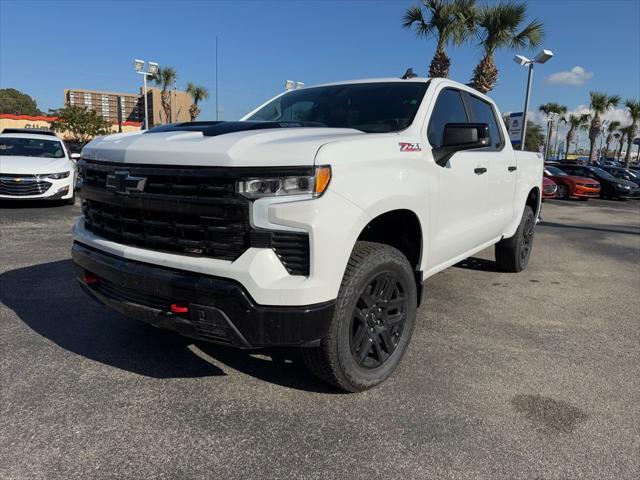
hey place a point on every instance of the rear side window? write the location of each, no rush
(449, 109)
(483, 113)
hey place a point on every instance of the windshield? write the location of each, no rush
(30, 147)
(369, 107)
(554, 171)
(602, 173)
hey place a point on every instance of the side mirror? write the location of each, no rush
(75, 156)
(461, 136)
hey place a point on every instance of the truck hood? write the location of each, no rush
(33, 165)
(263, 147)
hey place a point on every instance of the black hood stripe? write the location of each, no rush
(213, 129)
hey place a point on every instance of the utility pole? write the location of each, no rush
(216, 77)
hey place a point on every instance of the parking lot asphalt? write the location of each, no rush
(533, 375)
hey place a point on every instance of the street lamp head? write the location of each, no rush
(289, 85)
(299, 84)
(153, 68)
(138, 65)
(544, 56)
(521, 60)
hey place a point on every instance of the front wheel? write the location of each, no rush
(372, 323)
(512, 254)
(562, 191)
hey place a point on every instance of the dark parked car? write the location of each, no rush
(570, 186)
(624, 173)
(610, 186)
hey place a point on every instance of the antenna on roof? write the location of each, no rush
(409, 74)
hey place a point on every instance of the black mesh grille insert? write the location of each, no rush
(183, 210)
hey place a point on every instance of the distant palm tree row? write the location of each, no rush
(599, 104)
(165, 78)
(496, 27)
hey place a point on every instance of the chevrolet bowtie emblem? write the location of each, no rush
(17, 179)
(121, 182)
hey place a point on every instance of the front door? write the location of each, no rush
(461, 200)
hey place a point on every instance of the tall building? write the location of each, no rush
(119, 108)
(113, 107)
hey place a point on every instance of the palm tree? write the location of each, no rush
(165, 77)
(550, 110)
(498, 28)
(575, 122)
(445, 20)
(633, 106)
(617, 137)
(624, 132)
(600, 104)
(611, 130)
(197, 93)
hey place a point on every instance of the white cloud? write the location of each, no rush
(576, 76)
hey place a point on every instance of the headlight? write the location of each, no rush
(56, 176)
(313, 185)
(625, 187)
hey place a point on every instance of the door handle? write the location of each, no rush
(512, 168)
(479, 170)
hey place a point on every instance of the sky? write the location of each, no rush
(47, 46)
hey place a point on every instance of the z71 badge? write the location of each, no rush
(409, 147)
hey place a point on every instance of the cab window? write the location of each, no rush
(449, 108)
(483, 113)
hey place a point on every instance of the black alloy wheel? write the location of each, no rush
(378, 320)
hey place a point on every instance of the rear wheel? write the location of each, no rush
(512, 254)
(372, 322)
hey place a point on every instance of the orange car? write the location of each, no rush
(570, 186)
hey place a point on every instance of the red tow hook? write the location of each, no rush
(90, 278)
(179, 308)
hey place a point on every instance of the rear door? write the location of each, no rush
(502, 173)
(461, 208)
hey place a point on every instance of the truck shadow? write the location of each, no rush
(48, 300)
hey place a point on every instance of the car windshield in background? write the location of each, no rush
(369, 107)
(602, 173)
(30, 147)
(555, 171)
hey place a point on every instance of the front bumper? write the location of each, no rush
(219, 310)
(586, 192)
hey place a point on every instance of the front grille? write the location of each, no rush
(183, 210)
(22, 185)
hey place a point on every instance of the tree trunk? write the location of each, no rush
(621, 139)
(630, 138)
(166, 104)
(594, 131)
(485, 75)
(194, 111)
(440, 64)
(569, 140)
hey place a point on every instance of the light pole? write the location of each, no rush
(542, 57)
(152, 70)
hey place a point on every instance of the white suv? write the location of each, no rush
(36, 166)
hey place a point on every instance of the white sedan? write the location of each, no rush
(36, 166)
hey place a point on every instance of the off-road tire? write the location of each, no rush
(334, 360)
(512, 254)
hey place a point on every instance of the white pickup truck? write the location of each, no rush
(311, 222)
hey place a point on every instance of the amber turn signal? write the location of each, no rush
(323, 177)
